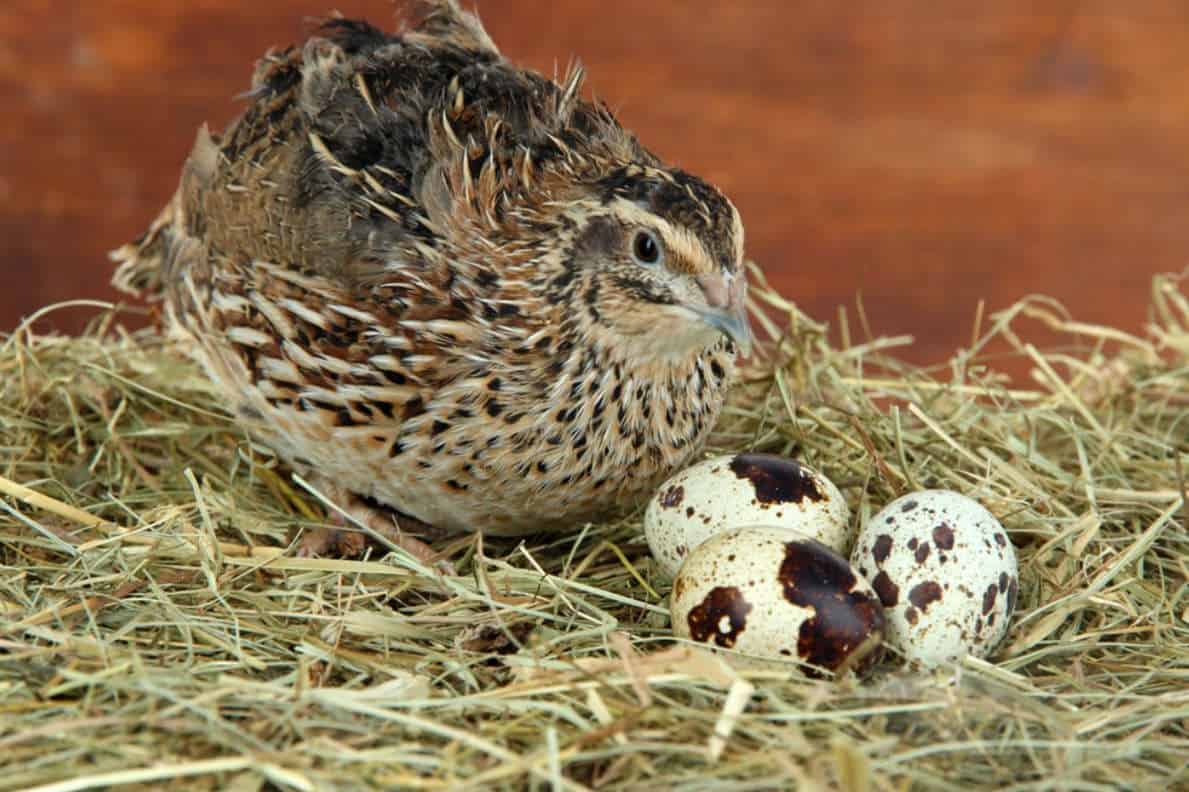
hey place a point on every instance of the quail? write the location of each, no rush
(457, 292)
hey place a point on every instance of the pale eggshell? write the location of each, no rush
(946, 573)
(737, 490)
(774, 595)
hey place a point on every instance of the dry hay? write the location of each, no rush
(156, 629)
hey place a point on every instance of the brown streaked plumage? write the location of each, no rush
(448, 285)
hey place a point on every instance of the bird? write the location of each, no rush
(459, 295)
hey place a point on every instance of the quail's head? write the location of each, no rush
(657, 262)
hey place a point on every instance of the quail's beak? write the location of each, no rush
(726, 309)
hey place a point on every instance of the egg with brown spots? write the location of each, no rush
(739, 490)
(775, 596)
(946, 573)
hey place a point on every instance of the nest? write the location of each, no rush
(156, 627)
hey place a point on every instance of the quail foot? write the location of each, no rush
(343, 538)
(453, 287)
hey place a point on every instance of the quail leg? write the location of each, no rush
(337, 539)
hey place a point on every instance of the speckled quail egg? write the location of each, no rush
(774, 595)
(945, 572)
(737, 490)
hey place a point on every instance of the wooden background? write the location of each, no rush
(926, 158)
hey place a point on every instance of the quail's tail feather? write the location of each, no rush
(143, 263)
(147, 265)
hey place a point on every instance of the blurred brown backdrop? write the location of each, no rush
(926, 158)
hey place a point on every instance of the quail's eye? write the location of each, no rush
(645, 248)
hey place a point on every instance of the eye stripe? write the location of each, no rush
(683, 201)
(683, 250)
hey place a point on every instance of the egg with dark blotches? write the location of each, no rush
(946, 573)
(738, 490)
(775, 596)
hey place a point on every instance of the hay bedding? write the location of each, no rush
(155, 628)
